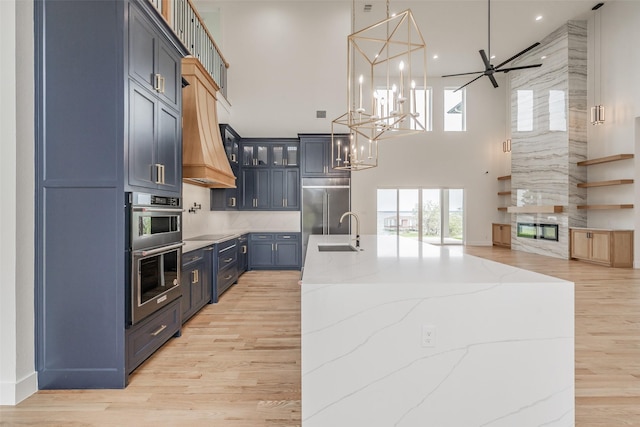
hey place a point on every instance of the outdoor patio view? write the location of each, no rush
(430, 215)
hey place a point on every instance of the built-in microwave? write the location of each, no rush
(155, 220)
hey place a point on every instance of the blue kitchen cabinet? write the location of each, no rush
(316, 155)
(228, 199)
(96, 121)
(225, 259)
(273, 251)
(254, 154)
(255, 189)
(243, 254)
(155, 131)
(285, 189)
(195, 281)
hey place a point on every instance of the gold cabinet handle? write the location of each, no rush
(162, 80)
(156, 82)
(243, 249)
(157, 331)
(158, 173)
(232, 202)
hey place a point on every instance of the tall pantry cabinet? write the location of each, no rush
(100, 132)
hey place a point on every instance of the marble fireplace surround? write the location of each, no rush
(546, 146)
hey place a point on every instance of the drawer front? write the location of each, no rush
(262, 237)
(225, 279)
(291, 237)
(227, 259)
(145, 338)
(227, 245)
(191, 257)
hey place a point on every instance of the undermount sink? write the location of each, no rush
(336, 247)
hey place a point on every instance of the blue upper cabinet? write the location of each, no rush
(316, 153)
(269, 174)
(155, 131)
(153, 62)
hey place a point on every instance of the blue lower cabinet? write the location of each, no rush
(226, 267)
(144, 338)
(195, 281)
(274, 251)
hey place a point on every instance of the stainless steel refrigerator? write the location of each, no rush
(324, 200)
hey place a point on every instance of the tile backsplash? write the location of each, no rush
(204, 221)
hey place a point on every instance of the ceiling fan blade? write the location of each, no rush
(493, 80)
(522, 67)
(483, 55)
(467, 84)
(519, 54)
(464, 74)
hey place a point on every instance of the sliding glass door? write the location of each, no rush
(430, 215)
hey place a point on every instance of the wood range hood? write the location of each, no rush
(204, 161)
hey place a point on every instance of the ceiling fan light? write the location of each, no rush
(597, 114)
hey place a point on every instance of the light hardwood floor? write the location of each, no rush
(237, 363)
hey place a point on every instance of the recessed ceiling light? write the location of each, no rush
(543, 57)
(493, 57)
(435, 56)
(539, 18)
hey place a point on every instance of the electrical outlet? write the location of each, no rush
(428, 335)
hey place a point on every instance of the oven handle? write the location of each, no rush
(146, 209)
(159, 250)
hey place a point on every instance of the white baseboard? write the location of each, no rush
(14, 393)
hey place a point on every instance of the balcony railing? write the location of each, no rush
(185, 21)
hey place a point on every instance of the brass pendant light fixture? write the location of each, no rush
(386, 73)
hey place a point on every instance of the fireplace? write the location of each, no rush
(538, 231)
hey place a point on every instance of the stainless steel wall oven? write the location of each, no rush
(155, 253)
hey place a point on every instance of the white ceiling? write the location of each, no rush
(456, 30)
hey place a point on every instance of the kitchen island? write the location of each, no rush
(402, 333)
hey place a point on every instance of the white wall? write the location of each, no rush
(17, 366)
(620, 94)
(288, 59)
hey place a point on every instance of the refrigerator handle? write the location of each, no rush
(328, 213)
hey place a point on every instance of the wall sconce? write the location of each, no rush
(506, 146)
(597, 111)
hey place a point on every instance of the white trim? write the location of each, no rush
(14, 393)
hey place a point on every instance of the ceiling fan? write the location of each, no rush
(490, 70)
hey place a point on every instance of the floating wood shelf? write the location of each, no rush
(506, 177)
(605, 159)
(609, 207)
(504, 193)
(535, 209)
(605, 183)
(502, 208)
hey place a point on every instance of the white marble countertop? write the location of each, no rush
(202, 241)
(409, 334)
(388, 259)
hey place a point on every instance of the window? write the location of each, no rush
(419, 101)
(455, 110)
(525, 110)
(429, 215)
(557, 111)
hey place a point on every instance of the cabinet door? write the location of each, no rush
(286, 254)
(169, 66)
(261, 254)
(292, 189)
(142, 128)
(580, 244)
(505, 235)
(169, 149)
(600, 246)
(255, 189)
(284, 155)
(278, 188)
(495, 234)
(142, 49)
(255, 155)
(314, 157)
(231, 141)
